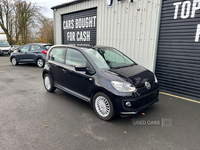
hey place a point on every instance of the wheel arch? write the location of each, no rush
(43, 73)
(39, 58)
(47, 72)
(17, 62)
(11, 58)
(103, 91)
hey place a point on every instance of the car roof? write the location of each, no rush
(39, 44)
(83, 48)
(102, 46)
(71, 46)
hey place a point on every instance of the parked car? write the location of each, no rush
(30, 53)
(4, 45)
(111, 82)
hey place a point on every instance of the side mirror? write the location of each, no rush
(51, 57)
(86, 69)
(80, 68)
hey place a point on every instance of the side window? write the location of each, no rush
(57, 54)
(75, 58)
(111, 56)
(35, 47)
(25, 48)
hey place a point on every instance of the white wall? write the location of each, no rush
(130, 27)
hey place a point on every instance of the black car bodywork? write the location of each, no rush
(85, 82)
(30, 53)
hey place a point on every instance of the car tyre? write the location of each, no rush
(40, 62)
(48, 83)
(14, 61)
(103, 106)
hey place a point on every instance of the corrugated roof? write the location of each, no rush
(68, 4)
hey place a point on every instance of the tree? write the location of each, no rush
(7, 18)
(27, 17)
(18, 19)
(46, 33)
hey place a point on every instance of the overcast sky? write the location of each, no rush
(48, 4)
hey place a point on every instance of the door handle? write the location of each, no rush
(64, 70)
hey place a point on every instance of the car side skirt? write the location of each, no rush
(87, 99)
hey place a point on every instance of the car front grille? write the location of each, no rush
(5, 50)
(146, 100)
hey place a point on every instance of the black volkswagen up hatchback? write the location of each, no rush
(106, 78)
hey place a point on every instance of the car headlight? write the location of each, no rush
(123, 86)
(155, 78)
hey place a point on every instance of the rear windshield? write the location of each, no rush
(47, 46)
(4, 44)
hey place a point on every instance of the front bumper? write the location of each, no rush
(138, 102)
(4, 52)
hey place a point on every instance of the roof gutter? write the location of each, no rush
(68, 4)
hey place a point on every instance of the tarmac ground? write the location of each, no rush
(32, 118)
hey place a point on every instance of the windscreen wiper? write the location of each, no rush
(122, 66)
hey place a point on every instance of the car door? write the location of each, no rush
(56, 62)
(77, 81)
(22, 56)
(34, 51)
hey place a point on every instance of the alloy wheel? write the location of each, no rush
(14, 61)
(40, 63)
(102, 106)
(47, 83)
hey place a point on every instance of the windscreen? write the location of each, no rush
(109, 58)
(4, 44)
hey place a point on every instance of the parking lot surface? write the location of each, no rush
(32, 118)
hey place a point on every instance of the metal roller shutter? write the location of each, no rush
(178, 55)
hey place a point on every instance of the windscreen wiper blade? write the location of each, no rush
(122, 66)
